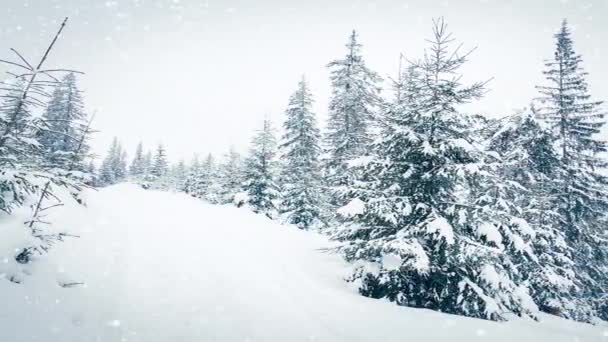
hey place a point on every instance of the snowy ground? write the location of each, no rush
(166, 267)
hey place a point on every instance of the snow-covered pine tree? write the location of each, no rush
(63, 175)
(18, 150)
(261, 169)
(137, 167)
(417, 229)
(107, 174)
(15, 141)
(64, 119)
(190, 181)
(178, 175)
(148, 165)
(230, 175)
(353, 107)
(159, 172)
(300, 176)
(121, 167)
(160, 165)
(21, 155)
(91, 169)
(210, 179)
(203, 181)
(576, 121)
(114, 167)
(530, 161)
(24, 177)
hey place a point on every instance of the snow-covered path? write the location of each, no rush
(166, 267)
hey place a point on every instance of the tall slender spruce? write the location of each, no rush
(576, 121)
(353, 108)
(301, 201)
(261, 172)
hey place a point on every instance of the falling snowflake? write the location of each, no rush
(114, 323)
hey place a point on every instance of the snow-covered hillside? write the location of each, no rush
(162, 267)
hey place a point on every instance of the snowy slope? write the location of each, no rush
(166, 267)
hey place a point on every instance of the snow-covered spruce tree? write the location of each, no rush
(91, 169)
(160, 166)
(261, 168)
(419, 232)
(106, 172)
(210, 169)
(158, 177)
(114, 167)
(230, 175)
(300, 174)
(65, 175)
(190, 181)
(147, 165)
(21, 155)
(177, 176)
(25, 178)
(121, 168)
(64, 119)
(137, 167)
(203, 181)
(18, 150)
(576, 121)
(530, 161)
(353, 107)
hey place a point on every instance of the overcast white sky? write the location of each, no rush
(200, 75)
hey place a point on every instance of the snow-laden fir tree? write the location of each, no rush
(113, 169)
(230, 175)
(353, 107)
(17, 127)
(529, 160)
(121, 168)
(158, 176)
(18, 148)
(300, 150)
(429, 223)
(193, 170)
(148, 162)
(91, 169)
(107, 171)
(21, 152)
(65, 119)
(261, 172)
(177, 176)
(210, 168)
(203, 182)
(25, 177)
(160, 165)
(137, 168)
(576, 121)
